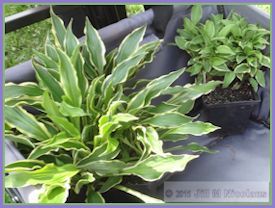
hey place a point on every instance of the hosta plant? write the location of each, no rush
(90, 131)
(229, 49)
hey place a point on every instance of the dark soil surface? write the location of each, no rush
(228, 95)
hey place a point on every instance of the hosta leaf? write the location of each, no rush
(50, 107)
(196, 128)
(194, 69)
(49, 82)
(254, 84)
(260, 78)
(129, 45)
(265, 61)
(240, 58)
(217, 61)
(69, 80)
(242, 68)
(24, 89)
(209, 28)
(143, 197)
(86, 178)
(110, 183)
(168, 120)
(58, 28)
(226, 30)
(55, 193)
(153, 140)
(78, 62)
(181, 42)
(71, 111)
(193, 146)
(95, 47)
(48, 175)
(153, 89)
(224, 49)
(97, 154)
(221, 68)
(123, 117)
(45, 60)
(162, 108)
(123, 69)
(58, 141)
(26, 123)
(192, 92)
(21, 139)
(50, 51)
(186, 107)
(196, 13)
(65, 125)
(150, 49)
(104, 167)
(93, 196)
(23, 165)
(54, 114)
(228, 79)
(70, 42)
(154, 167)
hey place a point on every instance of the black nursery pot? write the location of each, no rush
(232, 117)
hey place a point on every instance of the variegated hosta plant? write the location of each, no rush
(89, 132)
(228, 49)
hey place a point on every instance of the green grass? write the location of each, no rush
(7, 198)
(19, 44)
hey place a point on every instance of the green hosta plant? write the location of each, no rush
(228, 49)
(91, 131)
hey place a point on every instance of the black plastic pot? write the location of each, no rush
(232, 117)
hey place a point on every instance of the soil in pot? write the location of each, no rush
(230, 109)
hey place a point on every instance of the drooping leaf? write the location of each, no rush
(20, 139)
(254, 84)
(192, 92)
(242, 68)
(228, 79)
(158, 165)
(23, 165)
(168, 120)
(260, 78)
(26, 123)
(24, 89)
(196, 128)
(48, 175)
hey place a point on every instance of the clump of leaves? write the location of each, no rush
(90, 133)
(230, 49)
